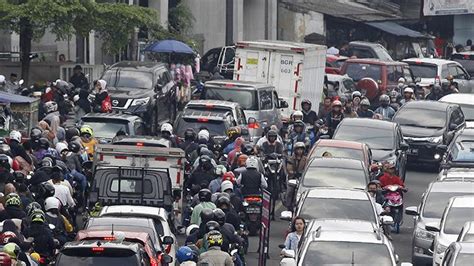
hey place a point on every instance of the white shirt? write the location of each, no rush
(64, 195)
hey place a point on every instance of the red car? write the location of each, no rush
(334, 63)
(341, 149)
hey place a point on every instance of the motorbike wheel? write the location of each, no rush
(253, 227)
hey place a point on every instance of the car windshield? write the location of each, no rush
(462, 151)
(334, 177)
(128, 79)
(246, 98)
(96, 260)
(375, 138)
(436, 202)
(216, 128)
(346, 253)
(468, 111)
(358, 71)
(339, 152)
(321, 208)
(424, 71)
(418, 117)
(126, 228)
(107, 129)
(456, 218)
(464, 259)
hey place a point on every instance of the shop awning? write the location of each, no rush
(396, 29)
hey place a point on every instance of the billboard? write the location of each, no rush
(448, 7)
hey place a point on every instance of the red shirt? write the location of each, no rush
(387, 179)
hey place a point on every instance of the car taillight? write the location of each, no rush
(203, 120)
(97, 249)
(140, 144)
(109, 238)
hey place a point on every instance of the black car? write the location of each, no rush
(426, 125)
(145, 89)
(384, 139)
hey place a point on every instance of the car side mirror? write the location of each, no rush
(286, 215)
(404, 146)
(432, 227)
(282, 104)
(442, 148)
(412, 210)
(453, 126)
(168, 240)
(166, 259)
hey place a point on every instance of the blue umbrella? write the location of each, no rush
(169, 46)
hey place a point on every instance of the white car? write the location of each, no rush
(158, 215)
(340, 85)
(466, 101)
(458, 211)
(433, 70)
(467, 232)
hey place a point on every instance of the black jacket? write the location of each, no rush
(18, 150)
(251, 182)
(79, 81)
(12, 212)
(200, 176)
(310, 118)
(43, 238)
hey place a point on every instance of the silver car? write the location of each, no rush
(429, 211)
(459, 254)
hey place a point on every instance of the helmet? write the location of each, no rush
(37, 216)
(51, 203)
(74, 146)
(4, 237)
(408, 90)
(227, 185)
(206, 215)
(214, 238)
(298, 123)
(298, 114)
(50, 106)
(19, 176)
(190, 228)
(36, 133)
(5, 259)
(204, 134)
(184, 253)
(13, 200)
(242, 160)
(2, 78)
(247, 149)
(71, 132)
(167, 127)
(204, 195)
(356, 94)
(86, 129)
(212, 225)
(219, 216)
(365, 102)
(15, 135)
(44, 143)
(401, 80)
(48, 161)
(299, 145)
(306, 101)
(336, 103)
(233, 132)
(31, 207)
(12, 249)
(450, 77)
(220, 170)
(61, 146)
(272, 133)
(4, 161)
(47, 189)
(229, 176)
(206, 152)
(384, 98)
(223, 200)
(189, 134)
(252, 162)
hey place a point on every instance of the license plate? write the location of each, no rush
(413, 151)
(253, 210)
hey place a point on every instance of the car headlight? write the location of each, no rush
(424, 234)
(440, 248)
(436, 139)
(141, 101)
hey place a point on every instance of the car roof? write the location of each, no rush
(344, 230)
(433, 61)
(333, 58)
(337, 193)
(106, 116)
(136, 65)
(427, 105)
(369, 123)
(345, 163)
(231, 84)
(340, 144)
(459, 98)
(140, 211)
(462, 202)
(451, 186)
(374, 61)
(100, 234)
(212, 103)
(364, 43)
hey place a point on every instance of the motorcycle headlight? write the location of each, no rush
(436, 139)
(424, 234)
(141, 101)
(440, 249)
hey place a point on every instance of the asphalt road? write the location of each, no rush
(417, 181)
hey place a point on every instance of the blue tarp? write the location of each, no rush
(14, 98)
(396, 29)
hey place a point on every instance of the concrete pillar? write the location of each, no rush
(162, 7)
(239, 18)
(463, 28)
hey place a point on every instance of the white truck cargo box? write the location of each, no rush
(295, 69)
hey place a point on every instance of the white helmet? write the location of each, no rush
(75, 98)
(61, 147)
(167, 127)
(297, 113)
(2, 78)
(227, 185)
(203, 134)
(408, 89)
(401, 80)
(251, 162)
(190, 228)
(51, 106)
(51, 203)
(15, 135)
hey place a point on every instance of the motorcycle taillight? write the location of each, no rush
(253, 199)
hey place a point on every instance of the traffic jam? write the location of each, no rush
(294, 154)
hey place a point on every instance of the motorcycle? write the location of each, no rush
(253, 213)
(273, 166)
(394, 200)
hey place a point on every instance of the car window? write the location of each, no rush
(133, 186)
(456, 218)
(334, 177)
(320, 208)
(417, 117)
(444, 71)
(339, 152)
(362, 53)
(393, 74)
(246, 98)
(358, 71)
(424, 70)
(266, 100)
(275, 99)
(139, 129)
(407, 74)
(452, 70)
(127, 79)
(436, 202)
(461, 74)
(375, 138)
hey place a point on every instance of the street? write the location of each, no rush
(417, 181)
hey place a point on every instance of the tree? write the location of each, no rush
(114, 22)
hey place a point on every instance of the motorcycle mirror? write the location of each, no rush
(386, 220)
(286, 215)
(21, 82)
(51, 226)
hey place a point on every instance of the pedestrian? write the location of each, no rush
(11, 86)
(293, 239)
(78, 79)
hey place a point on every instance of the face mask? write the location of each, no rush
(348, 109)
(384, 104)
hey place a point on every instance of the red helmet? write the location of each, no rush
(229, 176)
(5, 259)
(4, 237)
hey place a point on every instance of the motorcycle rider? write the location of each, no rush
(435, 94)
(364, 111)
(251, 181)
(375, 193)
(70, 155)
(325, 108)
(394, 98)
(401, 84)
(185, 256)
(231, 211)
(385, 109)
(101, 97)
(205, 203)
(298, 134)
(13, 209)
(54, 217)
(334, 117)
(295, 166)
(271, 145)
(231, 156)
(16, 148)
(167, 133)
(407, 96)
(214, 255)
(227, 229)
(452, 87)
(51, 109)
(203, 173)
(189, 144)
(229, 143)
(78, 79)
(309, 116)
(88, 140)
(43, 237)
(356, 99)
(389, 177)
(349, 110)
(5, 168)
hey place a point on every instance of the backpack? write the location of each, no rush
(106, 105)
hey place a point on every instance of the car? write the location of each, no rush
(384, 139)
(160, 217)
(334, 63)
(361, 49)
(145, 89)
(336, 242)
(458, 254)
(374, 77)
(467, 232)
(460, 209)
(106, 125)
(456, 173)
(466, 59)
(459, 152)
(147, 225)
(466, 102)
(142, 141)
(430, 210)
(96, 252)
(259, 101)
(342, 149)
(339, 85)
(220, 57)
(334, 172)
(434, 70)
(426, 125)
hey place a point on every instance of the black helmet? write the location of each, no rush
(223, 200)
(206, 215)
(47, 189)
(206, 152)
(204, 159)
(266, 129)
(189, 134)
(212, 225)
(71, 132)
(44, 143)
(247, 149)
(219, 216)
(36, 133)
(4, 161)
(204, 195)
(74, 146)
(19, 176)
